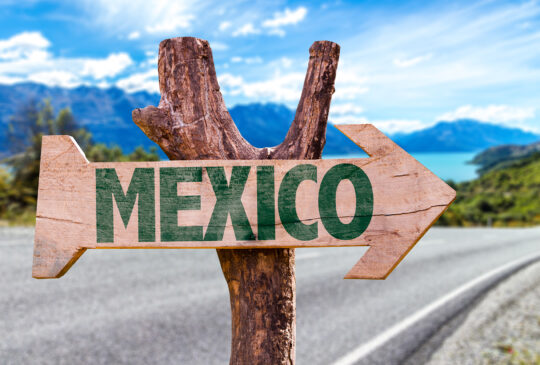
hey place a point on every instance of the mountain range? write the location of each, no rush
(107, 114)
(463, 135)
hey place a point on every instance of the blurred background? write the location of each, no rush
(453, 83)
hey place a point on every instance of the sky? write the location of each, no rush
(404, 65)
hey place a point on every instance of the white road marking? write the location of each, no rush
(365, 349)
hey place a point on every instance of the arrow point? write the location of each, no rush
(369, 139)
(377, 263)
(63, 170)
(384, 255)
(55, 146)
(52, 260)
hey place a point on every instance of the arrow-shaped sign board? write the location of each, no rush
(387, 202)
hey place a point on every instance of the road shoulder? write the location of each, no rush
(503, 328)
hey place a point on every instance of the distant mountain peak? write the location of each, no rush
(463, 135)
(107, 114)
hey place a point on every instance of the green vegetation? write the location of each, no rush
(499, 157)
(20, 172)
(504, 196)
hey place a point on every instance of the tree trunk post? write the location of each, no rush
(193, 123)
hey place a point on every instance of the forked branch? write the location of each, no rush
(192, 121)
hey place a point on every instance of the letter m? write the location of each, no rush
(141, 186)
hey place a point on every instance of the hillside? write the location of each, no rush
(464, 135)
(502, 156)
(501, 197)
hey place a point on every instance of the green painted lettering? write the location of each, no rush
(287, 202)
(171, 203)
(327, 201)
(141, 186)
(228, 201)
(266, 205)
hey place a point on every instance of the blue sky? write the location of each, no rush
(403, 65)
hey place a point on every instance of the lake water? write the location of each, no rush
(448, 166)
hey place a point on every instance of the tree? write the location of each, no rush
(33, 120)
(25, 130)
(102, 153)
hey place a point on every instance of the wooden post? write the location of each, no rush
(193, 123)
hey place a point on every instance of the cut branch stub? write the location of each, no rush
(193, 123)
(307, 134)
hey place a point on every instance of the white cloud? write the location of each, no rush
(103, 85)
(228, 80)
(286, 17)
(279, 88)
(349, 91)
(107, 67)
(151, 61)
(490, 113)
(392, 126)
(280, 19)
(54, 78)
(147, 81)
(247, 60)
(170, 24)
(219, 46)
(25, 57)
(282, 81)
(350, 113)
(347, 119)
(9, 80)
(25, 39)
(408, 62)
(134, 35)
(350, 82)
(223, 26)
(346, 108)
(246, 29)
(23, 45)
(389, 126)
(286, 62)
(155, 17)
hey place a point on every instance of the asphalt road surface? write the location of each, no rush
(172, 306)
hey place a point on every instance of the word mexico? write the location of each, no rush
(387, 202)
(228, 195)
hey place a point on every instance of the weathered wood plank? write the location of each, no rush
(192, 123)
(398, 201)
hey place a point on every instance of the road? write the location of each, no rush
(172, 306)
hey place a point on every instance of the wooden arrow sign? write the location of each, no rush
(387, 201)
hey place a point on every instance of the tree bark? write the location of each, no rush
(192, 122)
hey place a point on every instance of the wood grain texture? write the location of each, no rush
(406, 199)
(192, 122)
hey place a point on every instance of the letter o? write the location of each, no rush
(327, 201)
